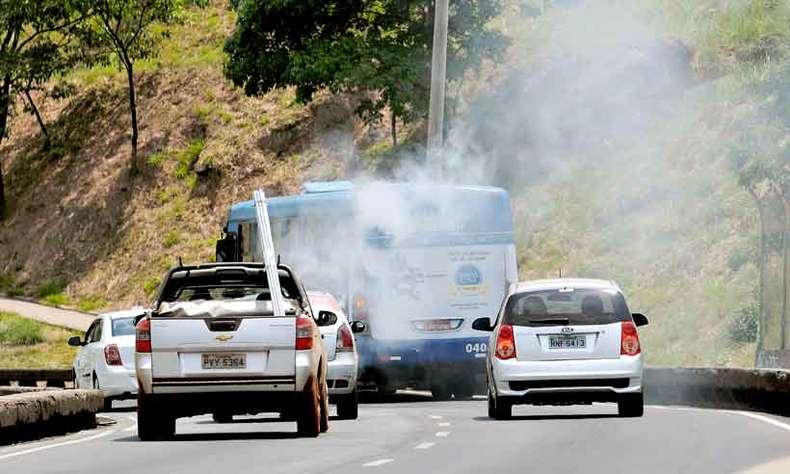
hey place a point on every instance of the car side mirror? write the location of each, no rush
(482, 324)
(640, 319)
(326, 318)
(358, 327)
(75, 341)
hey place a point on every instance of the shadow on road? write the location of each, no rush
(263, 435)
(575, 416)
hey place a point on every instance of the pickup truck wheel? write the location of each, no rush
(324, 408)
(152, 423)
(308, 421)
(348, 406)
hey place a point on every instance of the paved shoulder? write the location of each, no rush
(47, 314)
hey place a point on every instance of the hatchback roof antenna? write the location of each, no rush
(560, 272)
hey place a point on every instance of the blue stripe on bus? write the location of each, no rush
(377, 352)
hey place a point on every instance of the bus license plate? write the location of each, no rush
(567, 342)
(224, 361)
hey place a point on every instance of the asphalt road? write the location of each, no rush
(411, 434)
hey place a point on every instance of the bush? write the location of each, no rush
(57, 299)
(49, 287)
(17, 331)
(90, 304)
(171, 238)
(744, 327)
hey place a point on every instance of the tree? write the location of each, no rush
(128, 30)
(379, 46)
(35, 43)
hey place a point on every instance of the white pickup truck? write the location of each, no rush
(211, 344)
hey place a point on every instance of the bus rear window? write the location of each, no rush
(566, 307)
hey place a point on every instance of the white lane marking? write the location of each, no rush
(755, 416)
(379, 462)
(437, 417)
(56, 445)
(424, 445)
(131, 428)
(444, 424)
(442, 434)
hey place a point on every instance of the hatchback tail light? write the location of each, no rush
(142, 342)
(629, 339)
(345, 340)
(505, 343)
(112, 355)
(304, 334)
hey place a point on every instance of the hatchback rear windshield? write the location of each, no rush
(123, 327)
(566, 307)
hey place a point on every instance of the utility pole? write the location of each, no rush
(438, 78)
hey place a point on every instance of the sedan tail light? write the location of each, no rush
(304, 334)
(629, 339)
(142, 342)
(112, 355)
(345, 340)
(505, 343)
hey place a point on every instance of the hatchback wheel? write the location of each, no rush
(348, 406)
(324, 408)
(631, 405)
(503, 409)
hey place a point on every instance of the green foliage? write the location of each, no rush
(91, 304)
(57, 299)
(375, 45)
(49, 287)
(9, 287)
(157, 159)
(744, 326)
(51, 352)
(171, 238)
(150, 286)
(187, 158)
(18, 331)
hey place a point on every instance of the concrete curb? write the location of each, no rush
(765, 390)
(33, 414)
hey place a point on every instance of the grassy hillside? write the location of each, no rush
(25, 343)
(643, 193)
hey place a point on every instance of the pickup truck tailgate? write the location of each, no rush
(205, 349)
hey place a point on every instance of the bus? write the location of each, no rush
(417, 263)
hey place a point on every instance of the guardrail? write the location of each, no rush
(60, 378)
(743, 389)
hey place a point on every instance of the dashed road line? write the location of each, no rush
(437, 417)
(56, 445)
(442, 434)
(379, 462)
(444, 424)
(424, 445)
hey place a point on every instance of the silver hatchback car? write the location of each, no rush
(564, 342)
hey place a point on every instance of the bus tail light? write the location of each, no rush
(304, 334)
(629, 339)
(505, 343)
(360, 308)
(142, 342)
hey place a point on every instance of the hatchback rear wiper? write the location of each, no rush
(551, 322)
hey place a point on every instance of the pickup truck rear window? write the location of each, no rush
(566, 307)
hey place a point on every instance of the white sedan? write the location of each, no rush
(105, 358)
(562, 342)
(341, 354)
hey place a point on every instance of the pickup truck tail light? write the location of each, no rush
(505, 343)
(629, 339)
(304, 334)
(142, 342)
(112, 356)
(345, 340)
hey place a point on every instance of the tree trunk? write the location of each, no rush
(40, 121)
(394, 128)
(132, 111)
(5, 106)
